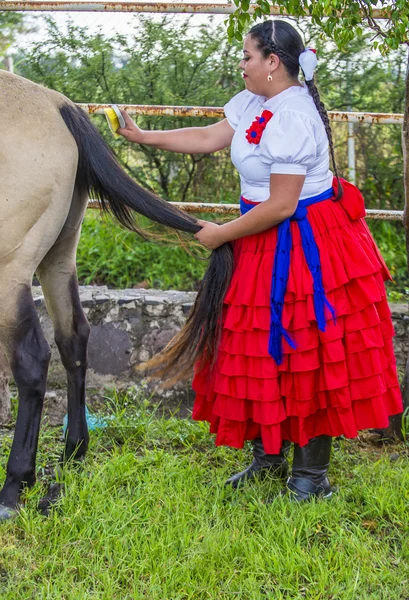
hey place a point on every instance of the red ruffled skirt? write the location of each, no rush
(335, 382)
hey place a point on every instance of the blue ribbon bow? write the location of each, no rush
(281, 271)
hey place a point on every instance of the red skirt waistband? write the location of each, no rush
(249, 201)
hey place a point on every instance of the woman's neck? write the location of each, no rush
(281, 86)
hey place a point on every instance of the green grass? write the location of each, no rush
(148, 517)
(110, 255)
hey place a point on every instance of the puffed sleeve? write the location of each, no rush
(236, 107)
(288, 143)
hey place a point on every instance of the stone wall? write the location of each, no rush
(400, 317)
(127, 328)
(130, 326)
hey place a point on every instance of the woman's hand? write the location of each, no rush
(210, 235)
(131, 131)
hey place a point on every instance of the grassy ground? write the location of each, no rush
(148, 517)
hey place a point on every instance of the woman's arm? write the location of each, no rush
(189, 140)
(285, 191)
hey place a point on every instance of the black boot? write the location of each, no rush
(274, 465)
(309, 473)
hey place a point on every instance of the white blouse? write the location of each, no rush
(294, 142)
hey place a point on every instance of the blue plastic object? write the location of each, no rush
(93, 421)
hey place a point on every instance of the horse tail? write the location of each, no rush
(99, 173)
(196, 344)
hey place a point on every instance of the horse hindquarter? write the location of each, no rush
(38, 162)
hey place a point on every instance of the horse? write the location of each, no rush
(51, 159)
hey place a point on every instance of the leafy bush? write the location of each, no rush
(110, 255)
(390, 237)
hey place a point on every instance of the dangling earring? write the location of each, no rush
(269, 77)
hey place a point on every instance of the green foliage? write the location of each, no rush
(360, 80)
(405, 425)
(110, 255)
(340, 20)
(200, 70)
(162, 62)
(148, 516)
(390, 238)
(159, 62)
(11, 24)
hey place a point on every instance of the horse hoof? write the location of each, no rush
(7, 513)
(53, 495)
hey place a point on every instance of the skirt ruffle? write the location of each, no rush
(334, 382)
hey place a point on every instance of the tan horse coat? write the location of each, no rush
(38, 160)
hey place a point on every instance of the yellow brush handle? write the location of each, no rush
(113, 121)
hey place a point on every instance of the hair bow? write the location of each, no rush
(308, 62)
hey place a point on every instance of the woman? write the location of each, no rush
(300, 348)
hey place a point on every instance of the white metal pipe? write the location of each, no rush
(217, 112)
(351, 153)
(143, 7)
(9, 64)
(234, 210)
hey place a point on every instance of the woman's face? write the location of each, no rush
(256, 68)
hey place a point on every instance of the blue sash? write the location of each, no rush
(281, 271)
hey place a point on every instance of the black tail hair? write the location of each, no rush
(100, 173)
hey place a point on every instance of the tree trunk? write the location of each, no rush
(8, 64)
(396, 424)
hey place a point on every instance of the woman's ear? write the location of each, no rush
(274, 61)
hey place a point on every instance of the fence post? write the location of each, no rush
(8, 64)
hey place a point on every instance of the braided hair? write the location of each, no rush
(280, 38)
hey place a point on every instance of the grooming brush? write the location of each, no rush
(115, 119)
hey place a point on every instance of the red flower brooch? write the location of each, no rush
(255, 131)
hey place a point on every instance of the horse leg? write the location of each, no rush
(58, 278)
(5, 406)
(28, 354)
(38, 167)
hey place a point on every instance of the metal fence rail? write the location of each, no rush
(144, 7)
(233, 210)
(217, 112)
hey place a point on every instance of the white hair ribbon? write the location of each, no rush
(308, 62)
